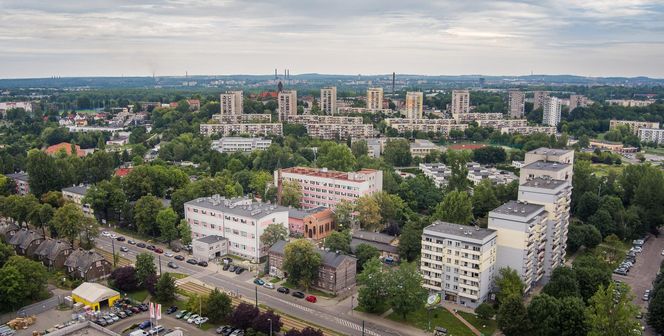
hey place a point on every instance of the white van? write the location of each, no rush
(139, 333)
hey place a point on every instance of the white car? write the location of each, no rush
(192, 318)
(200, 320)
(114, 317)
(113, 235)
(156, 330)
(105, 234)
(268, 285)
(638, 249)
(168, 254)
(663, 252)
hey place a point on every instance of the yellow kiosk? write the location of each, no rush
(95, 296)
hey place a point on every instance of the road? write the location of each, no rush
(242, 284)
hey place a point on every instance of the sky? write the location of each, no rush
(440, 37)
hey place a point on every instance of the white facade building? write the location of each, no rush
(551, 111)
(231, 103)
(460, 103)
(414, 105)
(287, 101)
(239, 144)
(375, 98)
(251, 129)
(655, 135)
(328, 100)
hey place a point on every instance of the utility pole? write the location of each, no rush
(256, 287)
(270, 326)
(113, 247)
(159, 257)
(362, 327)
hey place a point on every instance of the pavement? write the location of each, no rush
(335, 317)
(643, 273)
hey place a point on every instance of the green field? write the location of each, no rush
(601, 169)
(485, 327)
(440, 317)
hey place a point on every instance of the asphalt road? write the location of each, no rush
(242, 285)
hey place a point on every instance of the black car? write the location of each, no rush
(283, 290)
(192, 261)
(298, 295)
(151, 247)
(225, 330)
(172, 310)
(227, 260)
(226, 267)
(176, 249)
(172, 265)
(121, 238)
(131, 242)
(129, 312)
(239, 270)
(141, 245)
(102, 322)
(143, 307)
(179, 257)
(203, 263)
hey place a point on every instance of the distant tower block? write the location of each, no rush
(280, 86)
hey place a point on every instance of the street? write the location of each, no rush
(242, 284)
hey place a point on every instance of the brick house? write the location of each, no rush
(25, 241)
(7, 231)
(53, 253)
(87, 265)
(336, 274)
(316, 223)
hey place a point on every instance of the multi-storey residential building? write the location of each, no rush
(551, 111)
(500, 123)
(459, 261)
(440, 173)
(254, 129)
(460, 103)
(322, 187)
(630, 102)
(414, 105)
(539, 97)
(655, 135)
(76, 194)
(4, 106)
(340, 131)
(239, 144)
(546, 162)
(521, 238)
(633, 125)
(231, 103)
(305, 119)
(555, 196)
(241, 220)
(527, 130)
(22, 181)
(242, 118)
(287, 100)
(479, 116)
(348, 109)
(336, 274)
(577, 101)
(516, 103)
(443, 126)
(328, 100)
(375, 98)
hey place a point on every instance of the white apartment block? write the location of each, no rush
(253, 129)
(414, 105)
(231, 103)
(551, 111)
(375, 98)
(347, 110)
(539, 98)
(577, 101)
(516, 103)
(527, 130)
(460, 103)
(479, 116)
(240, 220)
(630, 102)
(500, 123)
(339, 131)
(287, 101)
(323, 187)
(443, 126)
(440, 173)
(521, 229)
(633, 125)
(4, 106)
(459, 262)
(557, 164)
(655, 135)
(75, 194)
(328, 100)
(323, 119)
(242, 118)
(239, 144)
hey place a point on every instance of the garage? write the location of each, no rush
(95, 296)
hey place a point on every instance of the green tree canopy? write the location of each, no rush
(456, 207)
(301, 262)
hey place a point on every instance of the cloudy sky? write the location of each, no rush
(138, 37)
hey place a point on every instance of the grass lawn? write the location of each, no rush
(139, 295)
(655, 151)
(601, 169)
(440, 317)
(179, 276)
(206, 326)
(382, 309)
(275, 280)
(477, 323)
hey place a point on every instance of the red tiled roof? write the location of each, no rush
(122, 172)
(51, 150)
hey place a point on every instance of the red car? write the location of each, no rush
(158, 250)
(311, 299)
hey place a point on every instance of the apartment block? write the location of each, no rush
(242, 118)
(414, 105)
(655, 135)
(231, 103)
(328, 100)
(479, 116)
(75, 194)
(305, 119)
(633, 125)
(250, 129)
(527, 130)
(630, 102)
(521, 239)
(240, 220)
(5, 106)
(440, 173)
(551, 111)
(443, 126)
(460, 103)
(557, 164)
(340, 131)
(348, 109)
(516, 103)
(459, 262)
(500, 123)
(375, 98)
(323, 187)
(422, 148)
(539, 98)
(577, 101)
(22, 181)
(287, 101)
(239, 144)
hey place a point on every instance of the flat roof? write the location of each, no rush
(93, 292)
(519, 209)
(546, 183)
(325, 173)
(211, 239)
(546, 165)
(549, 151)
(458, 230)
(240, 206)
(19, 176)
(80, 189)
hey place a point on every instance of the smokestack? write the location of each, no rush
(394, 76)
(275, 73)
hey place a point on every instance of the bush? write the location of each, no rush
(485, 311)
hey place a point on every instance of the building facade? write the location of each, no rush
(328, 100)
(375, 98)
(459, 262)
(516, 103)
(287, 101)
(577, 101)
(527, 130)
(243, 118)
(231, 103)
(633, 125)
(75, 194)
(22, 181)
(250, 129)
(239, 144)
(209, 247)
(539, 98)
(551, 111)
(414, 105)
(460, 103)
(655, 135)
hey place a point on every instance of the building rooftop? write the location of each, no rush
(520, 209)
(211, 239)
(328, 258)
(79, 189)
(374, 237)
(19, 176)
(458, 230)
(240, 206)
(82, 259)
(541, 182)
(547, 165)
(549, 151)
(93, 292)
(302, 213)
(325, 173)
(51, 248)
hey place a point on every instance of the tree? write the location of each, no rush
(12, 291)
(41, 216)
(144, 268)
(374, 292)
(185, 232)
(392, 207)
(167, 220)
(273, 233)
(6, 252)
(301, 262)
(291, 194)
(339, 241)
(562, 284)
(33, 274)
(458, 181)
(485, 311)
(165, 288)
(259, 181)
(397, 153)
(335, 157)
(588, 205)
(610, 312)
(359, 148)
(124, 278)
(243, 315)
(406, 291)
(484, 199)
(543, 312)
(368, 213)
(343, 214)
(266, 319)
(145, 215)
(456, 207)
(307, 331)
(592, 272)
(68, 221)
(107, 199)
(410, 241)
(218, 306)
(571, 317)
(512, 318)
(489, 155)
(509, 284)
(583, 235)
(365, 252)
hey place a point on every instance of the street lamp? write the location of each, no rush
(270, 326)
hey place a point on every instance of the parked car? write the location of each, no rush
(124, 249)
(311, 299)
(122, 314)
(638, 249)
(646, 295)
(239, 270)
(128, 312)
(172, 265)
(175, 249)
(203, 263)
(259, 282)
(179, 257)
(171, 310)
(131, 242)
(135, 310)
(620, 271)
(224, 330)
(237, 332)
(151, 247)
(227, 260)
(141, 245)
(232, 268)
(120, 238)
(268, 285)
(200, 320)
(158, 250)
(168, 254)
(101, 321)
(156, 330)
(187, 315)
(298, 295)
(283, 290)
(192, 261)
(192, 318)
(114, 317)
(113, 236)
(143, 307)
(180, 314)
(226, 267)
(109, 319)
(105, 234)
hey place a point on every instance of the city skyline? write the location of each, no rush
(141, 38)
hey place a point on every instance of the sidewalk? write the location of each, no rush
(400, 327)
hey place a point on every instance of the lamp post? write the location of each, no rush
(270, 326)
(113, 247)
(352, 297)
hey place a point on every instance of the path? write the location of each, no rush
(460, 318)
